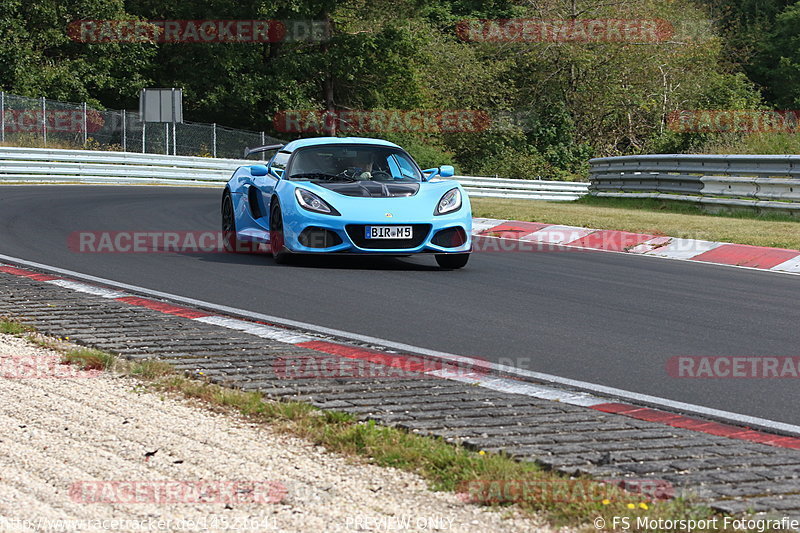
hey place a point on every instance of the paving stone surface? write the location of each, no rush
(728, 474)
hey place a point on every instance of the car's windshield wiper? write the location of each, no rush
(322, 176)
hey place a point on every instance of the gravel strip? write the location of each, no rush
(59, 437)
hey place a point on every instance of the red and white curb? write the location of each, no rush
(720, 253)
(481, 375)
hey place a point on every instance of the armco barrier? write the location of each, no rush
(523, 189)
(758, 181)
(92, 166)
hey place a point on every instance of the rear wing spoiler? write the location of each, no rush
(251, 151)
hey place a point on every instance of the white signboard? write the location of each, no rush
(161, 105)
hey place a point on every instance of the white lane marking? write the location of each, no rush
(792, 265)
(660, 257)
(558, 234)
(259, 330)
(482, 224)
(651, 401)
(650, 245)
(88, 289)
(684, 248)
(520, 387)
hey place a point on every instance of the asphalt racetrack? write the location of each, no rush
(605, 318)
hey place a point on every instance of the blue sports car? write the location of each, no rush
(347, 195)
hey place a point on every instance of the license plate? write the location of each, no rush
(389, 232)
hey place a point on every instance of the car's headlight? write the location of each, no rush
(451, 201)
(312, 202)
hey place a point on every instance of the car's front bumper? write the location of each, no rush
(438, 234)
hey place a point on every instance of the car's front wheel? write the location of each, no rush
(276, 240)
(452, 261)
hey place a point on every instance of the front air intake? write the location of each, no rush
(450, 238)
(313, 237)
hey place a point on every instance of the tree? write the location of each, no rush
(38, 58)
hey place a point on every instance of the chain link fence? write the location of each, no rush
(39, 122)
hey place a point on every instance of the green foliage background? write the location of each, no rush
(554, 105)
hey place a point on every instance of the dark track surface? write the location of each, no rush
(610, 319)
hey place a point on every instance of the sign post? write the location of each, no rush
(44, 121)
(162, 105)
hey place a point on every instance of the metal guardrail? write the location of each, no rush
(758, 181)
(94, 166)
(523, 189)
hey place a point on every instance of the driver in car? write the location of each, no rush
(362, 166)
(313, 163)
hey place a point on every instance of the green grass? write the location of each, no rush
(657, 217)
(445, 466)
(680, 207)
(43, 342)
(89, 359)
(12, 327)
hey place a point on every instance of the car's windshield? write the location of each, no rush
(353, 163)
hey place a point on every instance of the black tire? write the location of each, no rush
(230, 243)
(276, 242)
(452, 261)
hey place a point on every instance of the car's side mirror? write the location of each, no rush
(447, 171)
(258, 170)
